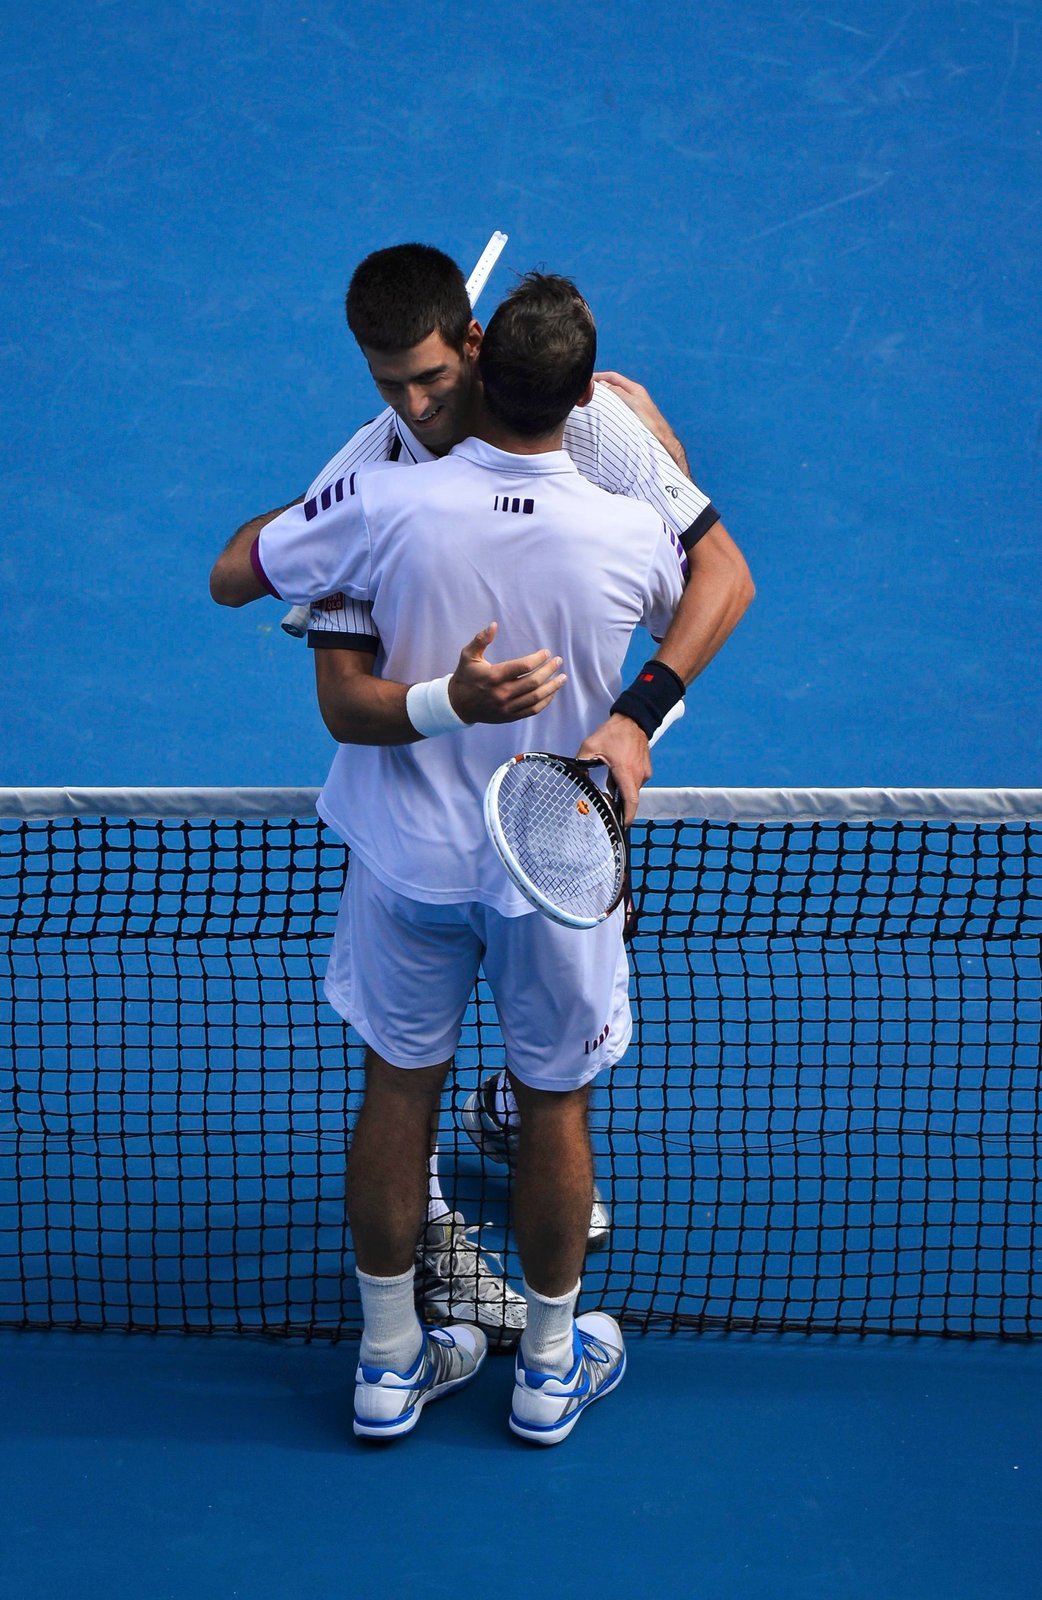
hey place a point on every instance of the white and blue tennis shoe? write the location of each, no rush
(389, 1403)
(546, 1407)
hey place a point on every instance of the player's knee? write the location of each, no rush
(415, 1088)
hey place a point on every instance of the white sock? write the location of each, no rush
(437, 1206)
(547, 1342)
(392, 1336)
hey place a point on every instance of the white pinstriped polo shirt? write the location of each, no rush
(440, 552)
(609, 445)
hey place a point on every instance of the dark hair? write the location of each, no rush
(397, 297)
(538, 354)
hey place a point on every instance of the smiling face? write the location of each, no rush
(431, 386)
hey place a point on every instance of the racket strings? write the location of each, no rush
(558, 832)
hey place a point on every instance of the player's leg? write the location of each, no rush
(557, 995)
(387, 1167)
(564, 1362)
(455, 1280)
(401, 973)
(401, 1364)
(553, 1187)
(492, 1119)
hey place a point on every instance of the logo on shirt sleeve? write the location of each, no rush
(334, 492)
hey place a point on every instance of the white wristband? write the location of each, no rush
(429, 708)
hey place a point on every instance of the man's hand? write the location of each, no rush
(506, 692)
(624, 748)
(643, 406)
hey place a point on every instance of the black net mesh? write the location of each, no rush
(829, 1117)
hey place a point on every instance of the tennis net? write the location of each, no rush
(829, 1118)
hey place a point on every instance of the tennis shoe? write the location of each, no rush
(388, 1403)
(457, 1281)
(498, 1141)
(546, 1407)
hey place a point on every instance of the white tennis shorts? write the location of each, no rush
(402, 971)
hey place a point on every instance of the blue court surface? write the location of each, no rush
(814, 233)
(737, 1468)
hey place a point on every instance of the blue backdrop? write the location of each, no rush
(814, 233)
(815, 236)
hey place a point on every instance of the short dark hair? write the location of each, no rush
(397, 297)
(537, 355)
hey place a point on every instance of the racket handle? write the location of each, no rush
(667, 722)
(295, 622)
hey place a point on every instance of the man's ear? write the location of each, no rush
(472, 340)
(585, 399)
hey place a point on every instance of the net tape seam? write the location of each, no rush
(717, 805)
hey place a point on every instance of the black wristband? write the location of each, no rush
(651, 696)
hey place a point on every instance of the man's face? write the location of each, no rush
(432, 387)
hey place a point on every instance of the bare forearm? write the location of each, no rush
(360, 709)
(673, 447)
(719, 591)
(719, 587)
(233, 581)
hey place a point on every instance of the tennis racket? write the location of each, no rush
(295, 622)
(559, 834)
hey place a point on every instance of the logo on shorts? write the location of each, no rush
(332, 602)
(595, 1044)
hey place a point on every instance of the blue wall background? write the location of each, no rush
(814, 234)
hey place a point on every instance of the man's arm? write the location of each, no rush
(359, 708)
(643, 406)
(719, 590)
(233, 581)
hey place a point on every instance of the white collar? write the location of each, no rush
(487, 455)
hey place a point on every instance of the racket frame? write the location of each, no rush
(586, 789)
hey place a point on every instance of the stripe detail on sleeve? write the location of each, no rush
(331, 495)
(679, 548)
(378, 440)
(344, 641)
(259, 572)
(703, 522)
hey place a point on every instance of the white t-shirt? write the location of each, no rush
(608, 443)
(440, 552)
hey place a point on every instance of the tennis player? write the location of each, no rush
(408, 308)
(505, 524)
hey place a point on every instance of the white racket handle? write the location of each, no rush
(482, 271)
(667, 722)
(295, 622)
